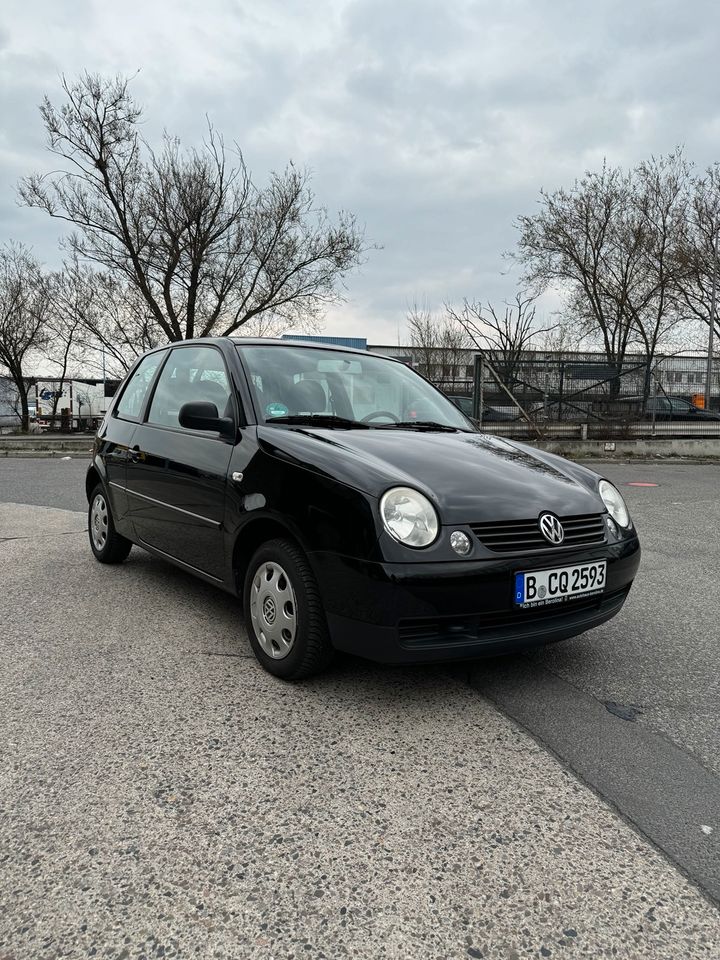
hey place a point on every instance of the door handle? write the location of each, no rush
(134, 454)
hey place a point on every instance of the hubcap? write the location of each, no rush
(99, 522)
(273, 610)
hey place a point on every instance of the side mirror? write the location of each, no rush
(203, 415)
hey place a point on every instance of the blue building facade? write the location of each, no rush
(356, 343)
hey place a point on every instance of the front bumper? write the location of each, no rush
(419, 612)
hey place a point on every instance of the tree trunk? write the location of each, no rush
(24, 411)
(22, 390)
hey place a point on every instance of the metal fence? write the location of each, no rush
(539, 395)
(584, 395)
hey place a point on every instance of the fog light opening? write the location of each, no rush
(460, 542)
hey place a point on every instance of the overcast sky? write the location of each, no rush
(436, 123)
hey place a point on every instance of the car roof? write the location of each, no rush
(275, 342)
(658, 396)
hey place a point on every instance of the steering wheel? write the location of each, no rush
(380, 413)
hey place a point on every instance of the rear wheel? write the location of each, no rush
(283, 612)
(105, 542)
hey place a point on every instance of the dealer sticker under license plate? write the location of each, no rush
(543, 587)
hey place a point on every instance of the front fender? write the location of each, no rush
(321, 513)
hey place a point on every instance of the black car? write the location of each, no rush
(490, 414)
(669, 408)
(351, 506)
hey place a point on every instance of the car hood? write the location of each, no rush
(469, 476)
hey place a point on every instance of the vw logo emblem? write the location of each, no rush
(551, 528)
(268, 609)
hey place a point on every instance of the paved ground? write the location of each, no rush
(44, 482)
(663, 654)
(161, 796)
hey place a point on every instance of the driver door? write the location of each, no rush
(176, 477)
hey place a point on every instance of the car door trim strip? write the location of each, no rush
(178, 562)
(216, 524)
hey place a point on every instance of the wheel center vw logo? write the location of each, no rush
(268, 608)
(551, 528)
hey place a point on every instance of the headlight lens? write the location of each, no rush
(615, 503)
(409, 517)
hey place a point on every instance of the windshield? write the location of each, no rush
(302, 382)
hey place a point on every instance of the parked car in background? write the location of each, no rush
(665, 408)
(490, 414)
(351, 507)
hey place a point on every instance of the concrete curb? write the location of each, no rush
(43, 446)
(44, 454)
(701, 450)
(706, 448)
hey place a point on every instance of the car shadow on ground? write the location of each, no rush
(193, 594)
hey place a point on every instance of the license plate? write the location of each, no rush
(542, 587)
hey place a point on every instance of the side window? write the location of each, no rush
(133, 396)
(190, 374)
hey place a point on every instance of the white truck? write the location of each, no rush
(76, 404)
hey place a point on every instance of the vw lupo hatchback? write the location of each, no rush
(351, 506)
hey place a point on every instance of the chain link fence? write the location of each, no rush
(586, 396)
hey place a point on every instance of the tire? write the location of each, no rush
(284, 615)
(105, 542)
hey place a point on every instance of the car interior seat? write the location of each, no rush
(307, 396)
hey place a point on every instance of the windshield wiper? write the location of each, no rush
(428, 425)
(320, 420)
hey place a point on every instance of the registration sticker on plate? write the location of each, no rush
(542, 587)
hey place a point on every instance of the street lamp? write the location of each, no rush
(711, 334)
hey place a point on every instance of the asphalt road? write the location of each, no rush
(161, 796)
(633, 706)
(45, 482)
(661, 655)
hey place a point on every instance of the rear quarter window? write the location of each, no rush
(135, 390)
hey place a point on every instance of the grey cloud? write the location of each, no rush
(437, 124)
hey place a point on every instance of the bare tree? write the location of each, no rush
(100, 323)
(23, 313)
(187, 231)
(422, 326)
(269, 325)
(697, 249)
(574, 243)
(438, 343)
(660, 204)
(65, 343)
(566, 335)
(503, 336)
(611, 246)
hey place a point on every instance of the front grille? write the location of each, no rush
(521, 535)
(497, 626)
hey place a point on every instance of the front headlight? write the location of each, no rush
(409, 517)
(614, 503)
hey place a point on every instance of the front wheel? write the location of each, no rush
(284, 614)
(105, 542)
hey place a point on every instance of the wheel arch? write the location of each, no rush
(251, 536)
(93, 477)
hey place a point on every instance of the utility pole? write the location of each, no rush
(711, 334)
(103, 409)
(481, 404)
